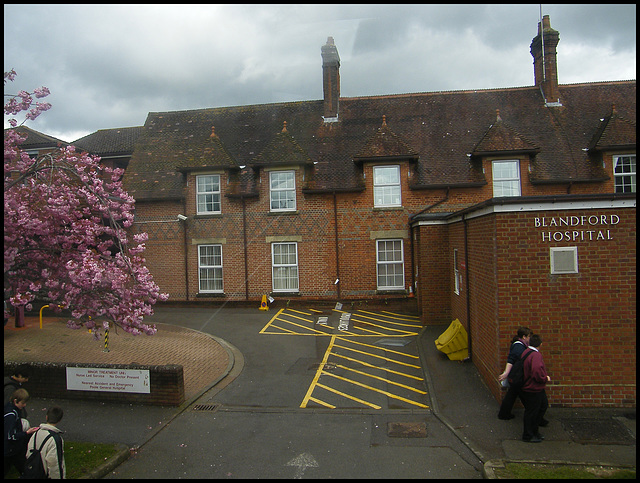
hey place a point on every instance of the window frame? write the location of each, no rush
(213, 193)
(385, 186)
(287, 267)
(386, 263)
(502, 181)
(620, 188)
(214, 267)
(287, 189)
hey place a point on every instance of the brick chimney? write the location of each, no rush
(543, 50)
(330, 80)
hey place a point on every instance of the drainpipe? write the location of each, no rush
(186, 253)
(335, 222)
(246, 255)
(466, 270)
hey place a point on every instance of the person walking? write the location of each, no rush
(15, 435)
(52, 453)
(518, 345)
(533, 394)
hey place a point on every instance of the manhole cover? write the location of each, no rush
(597, 431)
(407, 430)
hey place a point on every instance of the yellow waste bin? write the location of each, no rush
(454, 342)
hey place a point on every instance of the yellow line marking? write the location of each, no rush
(383, 327)
(380, 378)
(317, 375)
(378, 357)
(376, 347)
(376, 367)
(384, 320)
(322, 403)
(314, 310)
(301, 318)
(298, 311)
(302, 326)
(386, 393)
(353, 398)
(272, 319)
(408, 318)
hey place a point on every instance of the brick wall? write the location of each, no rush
(587, 319)
(49, 380)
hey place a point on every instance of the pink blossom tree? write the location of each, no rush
(65, 233)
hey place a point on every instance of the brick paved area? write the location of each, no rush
(203, 358)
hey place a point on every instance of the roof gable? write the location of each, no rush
(212, 155)
(502, 139)
(282, 150)
(385, 144)
(614, 132)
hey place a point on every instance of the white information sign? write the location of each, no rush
(111, 380)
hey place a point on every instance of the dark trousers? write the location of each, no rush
(508, 401)
(535, 407)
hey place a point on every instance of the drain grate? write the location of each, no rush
(206, 407)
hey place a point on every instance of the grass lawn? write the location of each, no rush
(548, 471)
(81, 458)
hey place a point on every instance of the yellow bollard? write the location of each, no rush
(106, 340)
(41, 314)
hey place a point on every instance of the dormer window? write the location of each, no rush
(386, 186)
(506, 178)
(208, 194)
(624, 173)
(282, 186)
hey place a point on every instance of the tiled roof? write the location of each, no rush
(441, 129)
(35, 139)
(110, 142)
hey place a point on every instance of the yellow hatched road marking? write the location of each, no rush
(322, 403)
(407, 318)
(378, 357)
(272, 319)
(378, 319)
(317, 376)
(386, 393)
(348, 396)
(298, 312)
(376, 347)
(406, 332)
(402, 316)
(376, 367)
(380, 378)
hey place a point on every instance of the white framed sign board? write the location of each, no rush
(108, 380)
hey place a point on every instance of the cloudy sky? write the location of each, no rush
(108, 66)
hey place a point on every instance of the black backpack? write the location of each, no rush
(33, 468)
(516, 374)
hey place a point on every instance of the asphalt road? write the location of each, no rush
(311, 401)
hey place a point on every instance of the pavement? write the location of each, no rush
(459, 398)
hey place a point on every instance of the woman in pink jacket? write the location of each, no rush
(533, 393)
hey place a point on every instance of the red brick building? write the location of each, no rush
(501, 208)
